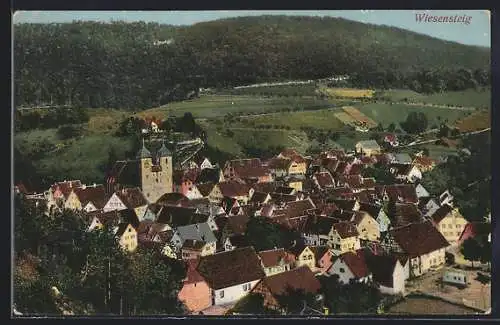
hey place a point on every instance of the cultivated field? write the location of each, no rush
(476, 121)
(321, 119)
(360, 117)
(210, 106)
(347, 92)
(386, 114)
(280, 90)
(465, 98)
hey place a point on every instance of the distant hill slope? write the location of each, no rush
(122, 64)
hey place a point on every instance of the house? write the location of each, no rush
(231, 275)
(399, 158)
(347, 204)
(272, 288)
(279, 167)
(424, 163)
(201, 163)
(127, 237)
(368, 147)
(449, 222)
(303, 256)
(368, 228)
(343, 237)
(199, 232)
(195, 293)
(295, 182)
(323, 257)
(317, 230)
(61, 190)
(247, 169)
(376, 212)
(421, 191)
(127, 198)
(391, 139)
(193, 249)
(173, 198)
(428, 206)
(421, 242)
(389, 272)
(211, 191)
(184, 182)
(402, 214)
(323, 180)
(236, 189)
(402, 193)
(350, 266)
(406, 172)
(275, 261)
(446, 198)
(259, 198)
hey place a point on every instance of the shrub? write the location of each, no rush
(65, 132)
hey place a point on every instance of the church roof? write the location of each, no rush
(144, 152)
(163, 151)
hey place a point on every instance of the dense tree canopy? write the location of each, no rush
(139, 65)
(88, 267)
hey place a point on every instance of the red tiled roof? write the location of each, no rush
(289, 153)
(417, 239)
(301, 278)
(192, 275)
(96, 195)
(424, 161)
(227, 269)
(234, 188)
(172, 199)
(356, 263)
(406, 192)
(132, 197)
(324, 179)
(273, 257)
(345, 229)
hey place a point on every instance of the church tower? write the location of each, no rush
(156, 176)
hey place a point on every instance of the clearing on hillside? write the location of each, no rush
(319, 119)
(476, 121)
(347, 92)
(211, 106)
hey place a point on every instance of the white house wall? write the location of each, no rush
(233, 294)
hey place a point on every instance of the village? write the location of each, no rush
(396, 236)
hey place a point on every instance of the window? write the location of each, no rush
(341, 270)
(221, 294)
(129, 229)
(457, 226)
(246, 287)
(458, 233)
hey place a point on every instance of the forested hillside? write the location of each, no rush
(121, 65)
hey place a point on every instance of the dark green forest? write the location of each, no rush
(91, 64)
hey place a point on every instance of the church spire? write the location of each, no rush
(144, 152)
(163, 151)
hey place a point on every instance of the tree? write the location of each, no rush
(486, 252)
(152, 284)
(263, 234)
(292, 301)
(354, 297)
(415, 123)
(380, 173)
(187, 123)
(252, 304)
(471, 250)
(391, 127)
